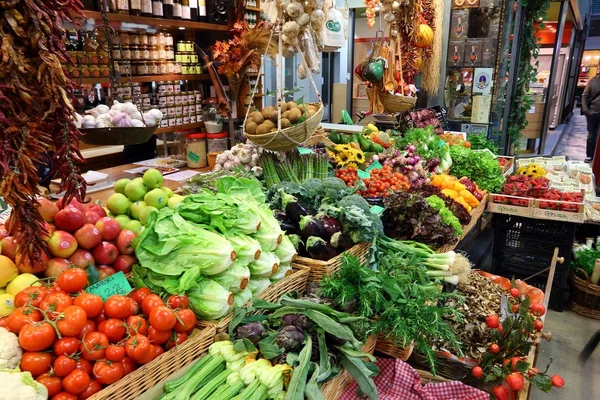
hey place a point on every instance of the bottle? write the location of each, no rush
(123, 7)
(185, 10)
(147, 8)
(167, 9)
(176, 9)
(193, 10)
(157, 8)
(135, 7)
(201, 10)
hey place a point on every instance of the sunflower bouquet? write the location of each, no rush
(532, 170)
(346, 155)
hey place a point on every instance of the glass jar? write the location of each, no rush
(153, 52)
(193, 58)
(185, 58)
(103, 57)
(176, 87)
(170, 67)
(145, 100)
(193, 119)
(126, 51)
(163, 67)
(178, 57)
(104, 71)
(165, 121)
(198, 108)
(185, 108)
(137, 89)
(162, 53)
(169, 86)
(170, 99)
(189, 46)
(143, 69)
(145, 52)
(190, 97)
(172, 120)
(161, 38)
(116, 53)
(135, 52)
(180, 46)
(124, 38)
(171, 110)
(195, 144)
(185, 69)
(179, 119)
(197, 96)
(168, 39)
(170, 54)
(144, 38)
(217, 142)
(134, 38)
(127, 98)
(153, 67)
(177, 68)
(186, 119)
(94, 71)
(161, 86)
(126, 90)
(162, 100)
(153, 39)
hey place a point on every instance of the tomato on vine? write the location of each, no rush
(107, 372)
(93, 346)
(37, 363)
(53, 383)
(64, 365)
(72, 280)
(91, 303)
(494, 348)
(37, 336)
(76, 382)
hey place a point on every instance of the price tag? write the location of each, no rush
(193, 156)
(375, 165)
(4, 211)
(377, 210)
(363, 174)
(114, 284)
(304, 150)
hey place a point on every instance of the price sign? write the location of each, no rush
(4, 211)
(304, 150)
(375, 165)
(377, 210)
(114, 284)
(363, 174)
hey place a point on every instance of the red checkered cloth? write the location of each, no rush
(399, 381)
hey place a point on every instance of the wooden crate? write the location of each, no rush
(533, 208)
(319, 269)
(476, 214)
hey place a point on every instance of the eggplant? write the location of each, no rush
(293, 209)
(280, 215)
(311, 226)
(320, 249)
(330, 226)
(340, 242)
(289, 227)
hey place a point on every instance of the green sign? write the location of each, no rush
(109, 286)
(363, 174)
(333, 26)
(375, 165)
(304, 150)
(4, 211)
(377, 210)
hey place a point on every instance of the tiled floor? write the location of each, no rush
(573, 142)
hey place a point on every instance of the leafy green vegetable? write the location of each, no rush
(445, 213)
(358, 222)
(246, 248)
(426, 142)
(266, 265)
(585, 259)
(480, 142)
(234, 277)
(480, 167)
(210, 300)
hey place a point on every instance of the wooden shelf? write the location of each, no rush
(147, 78)
(257, 9)
(179, 128)
(158, 22)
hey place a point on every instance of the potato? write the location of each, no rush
(270, 124)
(274, 130)
(274, 116)
(291, 104)
(295, 115)
(311, 107)
(285, 123)
(251, 127)
(266, 112)
(311, 112)
(262, 129)
(257, 117)
(285, 114)
(284, 106)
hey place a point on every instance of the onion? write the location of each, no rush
(411, 148)
(402, 160)
(413, 176)
(410, 161)
(417, 159)
(375, 158)
(427, 181)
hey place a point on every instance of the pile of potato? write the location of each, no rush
(265, 121)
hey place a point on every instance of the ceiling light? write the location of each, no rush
(181, 28)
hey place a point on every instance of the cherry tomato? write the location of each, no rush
(37, 337)
(91, 303)
(138, 347)
(158, 337)
(93, 388)
(64, 365)
(115, 353)
(140, 294)
(177, 340)
(76, 382)
(113, 328)
(66, 346)
(538, 325)
(136, 324)
(128, 366)
(558, 381)
(515, 308)
(477, 372)
(72, 280)
(151, 301)
(162, 318)
(513, 362)
(53, 383)
(492, 321)
(73, 321)
(22, 316)
(107, 372)
(186, 319)
(118, 306)
(90, 326)
(514, 292)
(84, 365)
(157, 350)
(31, 295)
(56, 303)
(36, 362)
(494, 348)
(176, 301)
(93, 346)
(64, 396)
(515, 381)
(537, 309)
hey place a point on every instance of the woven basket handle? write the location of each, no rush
(579, 271)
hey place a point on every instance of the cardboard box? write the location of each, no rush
(459, 24)
(473, 53)
(456, 54)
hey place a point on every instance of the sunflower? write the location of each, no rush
(358, 155)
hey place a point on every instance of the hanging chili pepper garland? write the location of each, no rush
(35, 112)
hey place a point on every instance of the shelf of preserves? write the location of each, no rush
(170, 129)
(158, 22)
(147, 78)
(257, 9)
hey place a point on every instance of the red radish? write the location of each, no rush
(514, 292)
(537, 309)
(494, 348)
(558, 381)
(538, 325)
(492, 321)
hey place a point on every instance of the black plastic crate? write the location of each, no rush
(524, 246)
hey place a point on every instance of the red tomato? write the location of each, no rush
(492, 321)
(128, 366)
(93, 346)
(56, 302)
(72, 280)
(515, 308)
(558, 381)
(90, 326)
(113, 328)
(118, 306)
(100, 318)
(537, 309)
(37, 337)
(36, 362)
(136, 324)
(66, 346)
(84, 365)
(158, 337)
(176, 301)
(477, 372)
(538, 325)
(73, 321)
(138, 347)
(177, 340)
(514, 292)
(115, 353)
(107, 372)
(149, 356)
(533, 372)
(513, 362)
(501, 392)
(52, 383)
(22, 316)
(135, 307)
(500, 329)
(63, 366)
(76, 382)
(93, 388)
(64, 396)
(515, 381)
(151, 301)
(140, 294)
(494, 348)
(186, 319)
(157, 350)
(91, 303)
(32, 295)
(162, 318)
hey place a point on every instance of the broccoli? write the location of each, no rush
(356, 217)
(355, 200)
(312, 187)
(334, 189)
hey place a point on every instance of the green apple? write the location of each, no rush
(138, 179)
(136, 209)
(118, 204)
(153, 178)
(173, 201)
(146, 213)
(156, 198)
(135, 190)
(133, 225)
(120, 185)
(122, 220)
(167, 191)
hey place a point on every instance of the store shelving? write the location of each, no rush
(170, 129)
(158, 22)
(147, 78)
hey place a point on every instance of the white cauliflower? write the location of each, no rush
(18, 385)
(10, 351)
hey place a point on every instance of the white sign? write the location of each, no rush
(482, 80)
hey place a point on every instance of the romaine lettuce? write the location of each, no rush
(209, 300)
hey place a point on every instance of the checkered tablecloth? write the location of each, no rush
(399, 381)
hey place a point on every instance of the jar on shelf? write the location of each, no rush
(153, 39)
(217, 142)
(126, 89)
(170, 99)
(186, 119)
(168, 39)
(145, 52)
(169, 87)
(127, 98)
(176, 87)
(192, 118)
(191, 97)
(199, 108)
(134, 38)
(135, 52)
(197, 96)
(137, 88)
(178, 68)
(162, 100)
(161, 86)
(124, 38)
(161, 38)
(179, 118)
(170, 54)
(180, 46)
(164, 111)
(177, 98)
(162, 66)
(103, 57)
(171, 110)
(185, 69)
(164, 122)
(143, 68)
(144, 38)
(162, 52)
(170, 67)
(153, 68)
(189, 46)
(185, 108)
(196, 150)
(104, 71)
(193, 58)
(185, 58)
(153, 52)
(172, 120)
(94, 71)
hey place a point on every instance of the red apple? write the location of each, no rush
(25, 265)
(47, 209)
(124, 241)
(3, 232)
(50, 229)
(73, 203)
(69, 219)
(56, 266)
(88, 236)
(81, 259)
(105, 253)
(124, 263)
(105, 272)
(109, 228)
(91, 217)
(9, 247)
(62, 244)
(95, 208)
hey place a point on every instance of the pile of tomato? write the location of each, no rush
(348, 175)
(75, 344)
(384, 181)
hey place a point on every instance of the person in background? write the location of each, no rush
(590, 107)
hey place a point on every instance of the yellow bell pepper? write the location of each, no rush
(450, 193)
(469, 198)
(459, 187)
(462, 201)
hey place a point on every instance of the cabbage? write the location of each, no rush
(283, 271)
(247, 249)
(234, 278)
(242, 297)
(266, 265)
(269, 234)
(258, 285)
(285, 251)
(210, 300)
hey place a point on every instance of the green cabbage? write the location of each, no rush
(247, 249)
(285, 251)
(266, 265)
(242, 297)
(258, 285)
(269, 234)
(209, 300)
(234, 278)
(283, 271)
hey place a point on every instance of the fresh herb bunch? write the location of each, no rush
(480, 167)
(585, 259)
(426, 142)
(480, 142)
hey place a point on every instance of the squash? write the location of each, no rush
(424, 36)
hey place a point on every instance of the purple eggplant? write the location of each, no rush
(330, 226)
(340, 242)
(293, 209)
(320, 249)
(311, 226)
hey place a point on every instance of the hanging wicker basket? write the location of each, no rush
(117, 136)
(395, 104)
(585, 296)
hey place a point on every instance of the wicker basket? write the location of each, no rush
(333, 389)
(319, 269)
(145, 377)
(116, 136)
(294, 282)
(585, 296)
(387, 346)
(320, 136)
(395, 104)
(291, 137)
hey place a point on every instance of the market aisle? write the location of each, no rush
(574, 141)
(570, 333)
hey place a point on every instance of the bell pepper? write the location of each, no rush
(450, 193)
(334, 137)
(459, 187)
(469, 198)
(462, 202)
